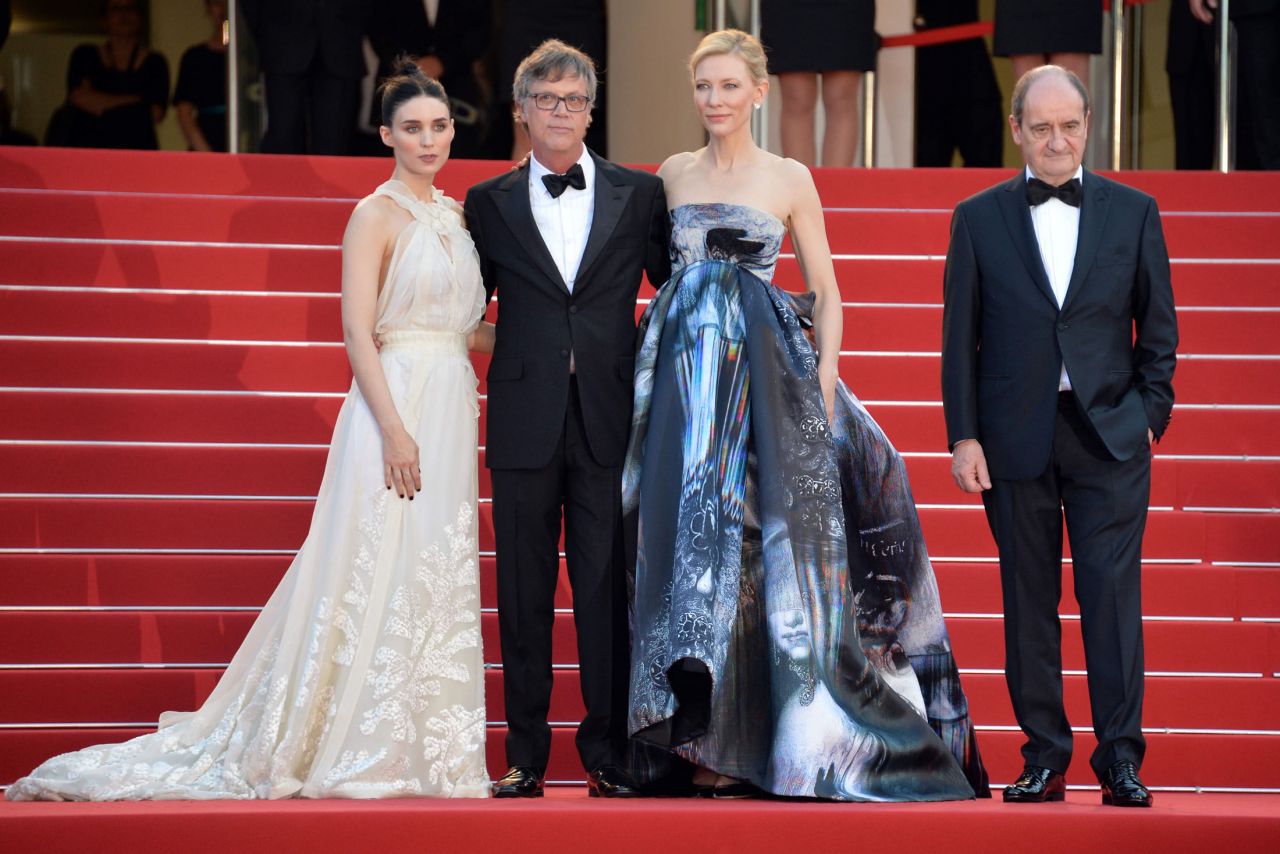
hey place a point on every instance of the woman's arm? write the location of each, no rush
(481, 338)
(363, 246)
(809, 236)
(155, 75)
(92, 101)
(81, 94)
(187, 121)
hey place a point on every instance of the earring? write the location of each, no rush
(757, 106)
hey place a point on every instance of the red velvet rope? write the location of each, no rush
(960, 32)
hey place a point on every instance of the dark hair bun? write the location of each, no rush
(406, 84)
(407, 66)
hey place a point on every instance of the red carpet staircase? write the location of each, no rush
(170, 368)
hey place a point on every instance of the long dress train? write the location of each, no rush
(363, 676)
(786, 623)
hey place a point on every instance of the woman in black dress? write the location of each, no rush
(200, 97)
(118, 90)
(1056, 32)
(834, 39)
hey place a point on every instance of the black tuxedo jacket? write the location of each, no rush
(289, 33)
(540, 322)
(1004, 337)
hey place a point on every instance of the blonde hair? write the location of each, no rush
(745, 45)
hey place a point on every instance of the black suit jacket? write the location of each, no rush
(460, 36)
(540, 322)
(1004, 338)
(289, 33)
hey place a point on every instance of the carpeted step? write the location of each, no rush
(323, 367)
(1173, 759)
(144, 581)
(203, 524)
(296, 471)
(203, 219)
(1200, 429)
(1168, 590)
(123, 696)
(212, 637)
(318, 270)
(259, 220)
(297, 318)
(180, 580)
(246, 417)
(353, 177)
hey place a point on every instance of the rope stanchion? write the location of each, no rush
(978, 29)
(961, 32)
(941, 35)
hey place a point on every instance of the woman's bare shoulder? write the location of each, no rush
(374, 216)
(676, 164)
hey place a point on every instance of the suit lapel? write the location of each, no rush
(1095, 204)
(1017, 218)
(512, 200)
(610, 201)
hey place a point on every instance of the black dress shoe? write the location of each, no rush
(1036, 785)
(1122, 788)
(520, 781)
(611, 782)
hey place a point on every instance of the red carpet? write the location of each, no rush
(566, 821)
(170, 369)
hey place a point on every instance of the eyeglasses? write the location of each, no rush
(547, 101)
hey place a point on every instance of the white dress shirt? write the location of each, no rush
(564, 222)
(433, 9)
(1057, 227)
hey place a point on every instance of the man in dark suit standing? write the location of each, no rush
(1057, 365)
(1257, 31)
(312, 62)
(563, 240)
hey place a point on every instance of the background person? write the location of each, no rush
(312, 62)
(447, 37)
(200, 98)
(1061, 32)
(117, 91)
(831, 40)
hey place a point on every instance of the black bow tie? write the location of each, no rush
(1038, 192)
(557, 184)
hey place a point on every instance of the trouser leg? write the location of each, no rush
(286, 114)
(526, 518)
(1026, 520)
(1106, 510)
(594, 553)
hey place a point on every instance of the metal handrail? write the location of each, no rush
(233, 77)
(1224, 151)
(869, 97)
(1119, 56)
(760, 120)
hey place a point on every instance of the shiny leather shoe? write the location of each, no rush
(609, 781)
(520, 781)
(1036, 785)
(1121, 786)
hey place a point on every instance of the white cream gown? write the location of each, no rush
(363, 676)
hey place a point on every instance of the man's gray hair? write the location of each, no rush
(553, 60)
(1025, 82)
